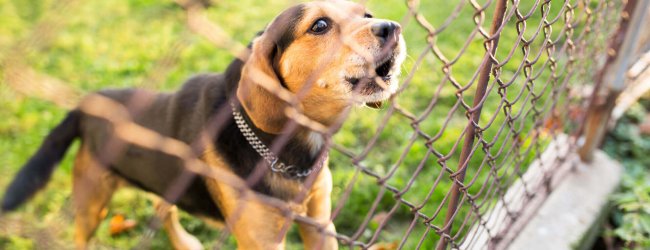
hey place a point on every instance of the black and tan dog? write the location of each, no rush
(332, 54)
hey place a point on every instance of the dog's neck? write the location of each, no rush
(268, 116)
(302, 146)
(313, 140)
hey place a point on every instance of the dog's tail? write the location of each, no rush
(36, 173)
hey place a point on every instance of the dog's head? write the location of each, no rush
(330, 54)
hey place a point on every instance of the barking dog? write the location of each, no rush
(330, 55)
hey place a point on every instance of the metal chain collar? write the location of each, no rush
(274, 162)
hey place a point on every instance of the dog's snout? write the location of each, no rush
(384, 30)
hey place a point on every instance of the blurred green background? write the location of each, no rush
(117, 44)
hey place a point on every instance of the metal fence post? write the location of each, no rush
(613, 73)
(475, 112)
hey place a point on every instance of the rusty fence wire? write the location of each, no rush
(479, 131)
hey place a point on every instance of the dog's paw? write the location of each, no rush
(187, 241)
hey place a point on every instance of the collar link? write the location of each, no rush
(271, 159)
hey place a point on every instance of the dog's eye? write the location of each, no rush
(367, 15)
(320, 26)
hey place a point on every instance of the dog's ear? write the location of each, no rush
(260, 77)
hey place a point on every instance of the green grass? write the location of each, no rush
(103, 44)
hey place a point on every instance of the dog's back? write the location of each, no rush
(180, 115)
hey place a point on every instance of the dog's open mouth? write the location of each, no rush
(383, 70)
(368, 84)
(376, 87)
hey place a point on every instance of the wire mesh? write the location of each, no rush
(476, 109)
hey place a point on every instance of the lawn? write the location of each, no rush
(99, 44)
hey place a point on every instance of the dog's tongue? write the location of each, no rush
(374, 105)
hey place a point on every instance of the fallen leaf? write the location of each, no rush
(119, 224)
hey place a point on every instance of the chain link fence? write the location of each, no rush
(493, 90)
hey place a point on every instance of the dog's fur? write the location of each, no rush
(329, 71)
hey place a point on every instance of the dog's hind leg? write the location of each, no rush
(93, 187)
(180, 239)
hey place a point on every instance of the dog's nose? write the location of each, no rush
(384, 30)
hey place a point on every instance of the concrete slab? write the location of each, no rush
(568, 216)
(500, 225)
(555, 205)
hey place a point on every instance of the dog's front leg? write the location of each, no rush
(254, 224)
(319, 207)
